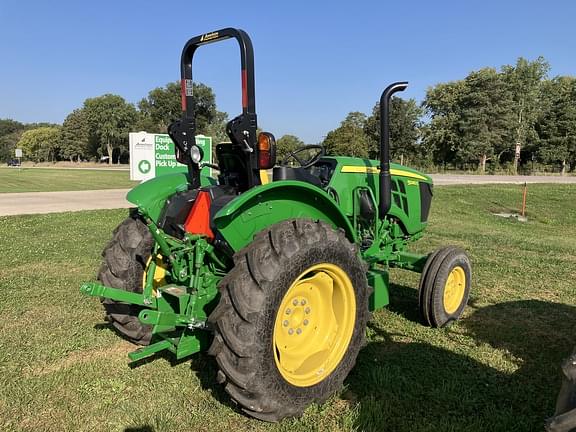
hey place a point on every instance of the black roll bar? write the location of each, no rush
(247, 65)
(241, 129)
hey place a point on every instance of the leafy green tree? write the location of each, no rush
(557, 124)
(10, 133)
(145, 123)
(163, 105)
(41, 144)
(287, 144)
(405, 123)
(349, 139)
(75, 136)
(523, 81)
(8, 126)
(8, 144)
(28, 126)
(217, 129)
(485, 115)
(441, 137)
(110, 118)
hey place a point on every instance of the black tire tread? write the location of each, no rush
(427, 282)
(444, 268)
(124, 258)
(430, 284)
(422, 305)
(238, 346)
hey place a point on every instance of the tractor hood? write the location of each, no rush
(370, 166)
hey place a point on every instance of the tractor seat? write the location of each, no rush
(290, 173)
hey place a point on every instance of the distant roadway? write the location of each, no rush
(453, 179)
(53, 202)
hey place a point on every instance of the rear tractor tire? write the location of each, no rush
(291, 319)
(444, 286)
(125, 259)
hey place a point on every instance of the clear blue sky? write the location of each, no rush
(315, 60)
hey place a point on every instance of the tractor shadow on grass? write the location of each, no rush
(202, 365)
(206, 369)
(402, 386)
(404, 301)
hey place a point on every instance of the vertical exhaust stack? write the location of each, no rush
(385, 182)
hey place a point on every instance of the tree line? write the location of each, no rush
(507, 119)
(99, 129)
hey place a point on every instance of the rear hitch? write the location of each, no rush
(95, 289)
(173, 329)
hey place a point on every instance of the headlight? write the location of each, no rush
(196, 154)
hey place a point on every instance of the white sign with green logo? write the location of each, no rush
(152, 155)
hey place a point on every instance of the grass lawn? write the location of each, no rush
(63, 369)
(51, 179)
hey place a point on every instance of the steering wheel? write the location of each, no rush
(305, 163)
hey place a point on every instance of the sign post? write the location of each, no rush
(18, 154)
(152, 155)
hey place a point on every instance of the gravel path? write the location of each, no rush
(54, 202)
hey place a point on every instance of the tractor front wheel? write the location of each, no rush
(444, 286)
(291, 319)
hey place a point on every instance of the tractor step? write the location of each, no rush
(191, 342)
(149, 350)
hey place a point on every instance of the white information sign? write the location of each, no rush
(152, 155)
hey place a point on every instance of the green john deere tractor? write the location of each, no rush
(276, 279)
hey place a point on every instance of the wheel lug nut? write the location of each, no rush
(288, 311)
(295, 302)
(305, 322)
(285, 323)
(298, 331)
(290, 331)
(303, 302)
(307, 310)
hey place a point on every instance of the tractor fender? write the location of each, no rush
(262, 206)
(151, 195)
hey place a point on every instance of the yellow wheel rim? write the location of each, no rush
(454, 289)
(314, 325)
(159, 272)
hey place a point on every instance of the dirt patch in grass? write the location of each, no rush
(114, 352)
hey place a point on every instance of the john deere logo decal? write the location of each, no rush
(144, 166)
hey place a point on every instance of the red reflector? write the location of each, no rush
(244, 89)
(264, 159)
(198, 221)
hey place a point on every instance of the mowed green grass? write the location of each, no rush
(63, 369)
(53, 179)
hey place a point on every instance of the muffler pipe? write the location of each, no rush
(385, 181)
